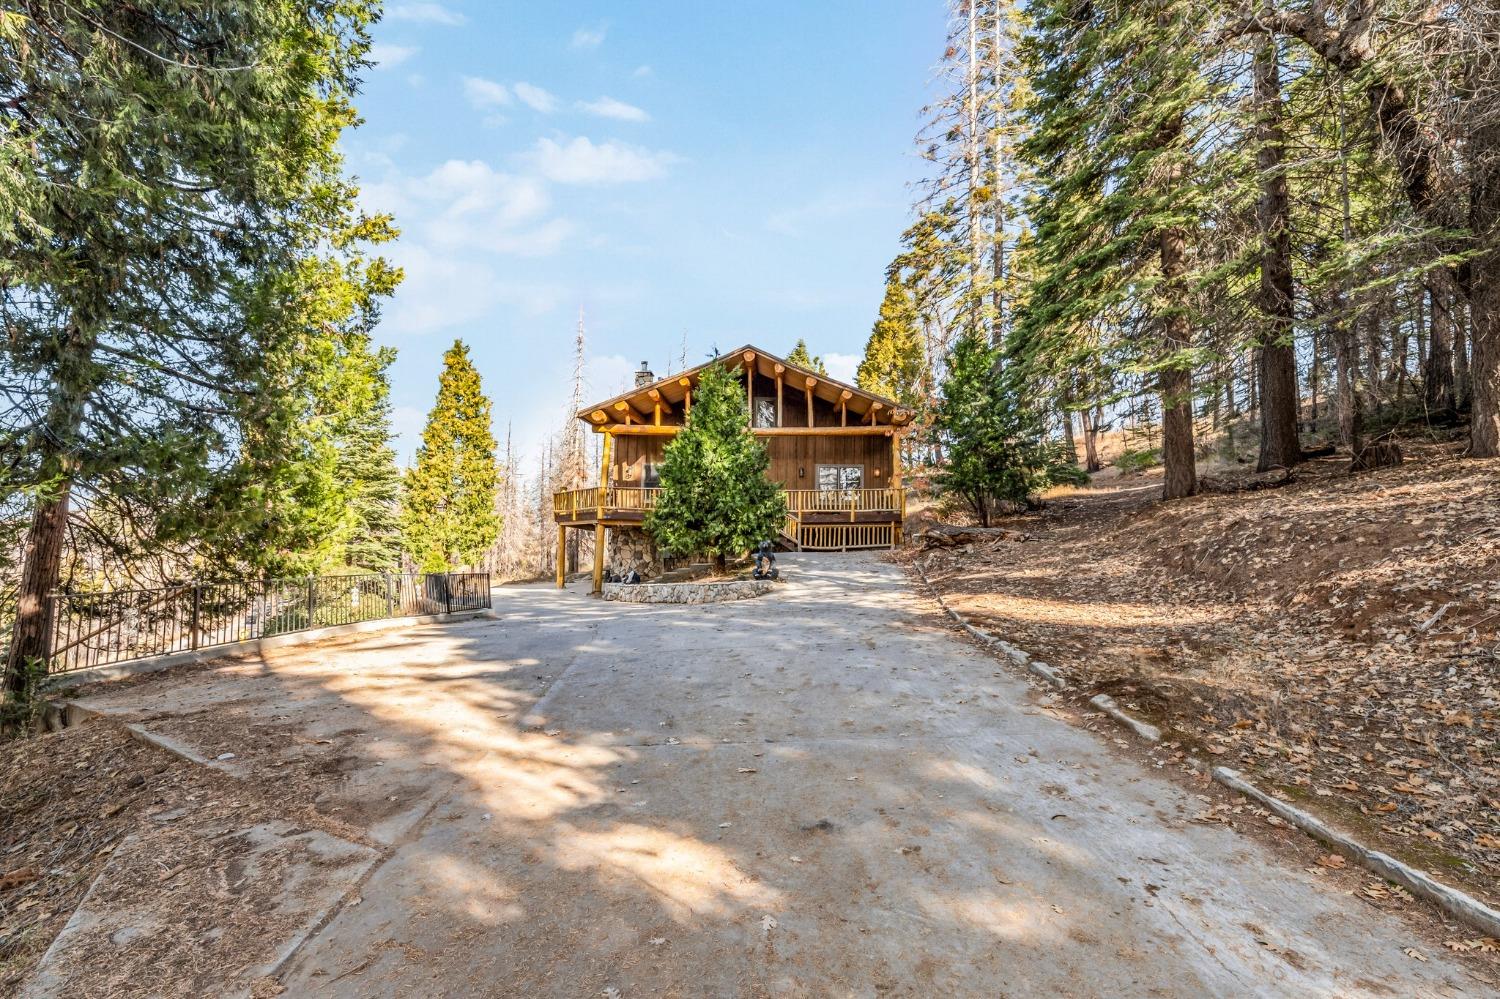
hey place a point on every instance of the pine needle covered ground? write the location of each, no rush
(1338, 637)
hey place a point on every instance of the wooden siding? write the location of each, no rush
(789, 457)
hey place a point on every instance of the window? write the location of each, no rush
(840, 478)
(651, 475)
(765, 412)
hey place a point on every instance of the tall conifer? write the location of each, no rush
(893, 360)
(448, 516)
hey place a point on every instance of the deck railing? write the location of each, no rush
(576, 503)
(843, 500)
(96, 629)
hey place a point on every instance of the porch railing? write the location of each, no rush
(97, 629)
(575, 503)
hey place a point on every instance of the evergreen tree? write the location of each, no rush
(892, 364)
(155, 160)
(716, 498)
(371, 536)
(994, 435)
(448, 514)
(801, 357)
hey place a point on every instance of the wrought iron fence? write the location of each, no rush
(96, 629)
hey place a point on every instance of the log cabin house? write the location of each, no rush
(833, 447)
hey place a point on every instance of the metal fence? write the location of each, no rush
(96, 629)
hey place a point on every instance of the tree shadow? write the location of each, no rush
(819, 792)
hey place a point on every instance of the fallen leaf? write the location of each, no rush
(1333, 860)
(1414, 953)
(16, 878)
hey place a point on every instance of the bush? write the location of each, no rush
(1131, 461)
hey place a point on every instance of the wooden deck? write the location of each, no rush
(817, 520)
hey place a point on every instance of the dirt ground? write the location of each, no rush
(1336, 637)
(587, 798)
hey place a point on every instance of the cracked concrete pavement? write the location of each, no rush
(819, 792)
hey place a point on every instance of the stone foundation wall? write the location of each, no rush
(630, 548)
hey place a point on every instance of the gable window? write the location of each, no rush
(765, 412)
(840, 478)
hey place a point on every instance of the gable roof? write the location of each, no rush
(673, 388)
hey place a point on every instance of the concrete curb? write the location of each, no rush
(1018, 656)
(1108, 705)
(135, 667)
(1465, 908)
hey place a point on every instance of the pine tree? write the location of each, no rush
(892, 364)
(156, 159)
(371, 538)
(801, 357)
(716, 498)
(448, 511)
(994, 435)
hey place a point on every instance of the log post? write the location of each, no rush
(780, 371)
(604, 474)
(562, 556)
(810, 383)
(599, 557)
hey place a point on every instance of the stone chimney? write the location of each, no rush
(644, 376)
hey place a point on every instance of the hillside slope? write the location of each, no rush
(1336, 636)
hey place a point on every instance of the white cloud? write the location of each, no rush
(606, 375)
(582, 162)
(443, 291)
(387, 56)
(589, 38)
(535, 97)
(641, 72)
(426, 13)
(608, 107)
(827, 207)
(484, 94)
(841, 366)
(467, 205)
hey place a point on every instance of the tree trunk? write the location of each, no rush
(1068, 439)
(1460, 361)
(1178, 459)
(1346, 367)
(32, 638)
(1484, 291)
(1279, 446)
(1090, 441)
(53, 443)
(1437, 374)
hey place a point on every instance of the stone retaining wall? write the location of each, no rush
(687, 593)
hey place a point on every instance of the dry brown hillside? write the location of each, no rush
(1337, 635)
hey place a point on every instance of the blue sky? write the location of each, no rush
(733, 172)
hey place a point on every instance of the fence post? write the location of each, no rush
(390, 599)
(448, 592)
(197, 608)
(312, 599)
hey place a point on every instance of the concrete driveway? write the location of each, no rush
(822, 792)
